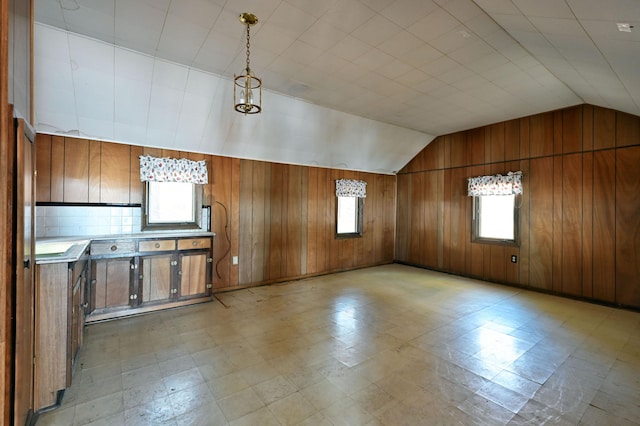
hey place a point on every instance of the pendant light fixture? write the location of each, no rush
(247, 88)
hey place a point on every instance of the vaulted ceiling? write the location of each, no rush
(361, 84)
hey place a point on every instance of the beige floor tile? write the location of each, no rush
(351, 348)
(98, 408)
(372, 399)
(240, 404)
(91, 391)
(183, 380)
(143, 393)
(207, 414)
(148, 373)
(229, 384)
(189, 399)
(158, 411)
(262, 417)
(59, 417)
(490, 412)
(503, 397)
(292, 409)
(516, 383)
(595, 416)
(323, 394)
(318, 419)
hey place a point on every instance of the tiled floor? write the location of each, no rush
(390, 345)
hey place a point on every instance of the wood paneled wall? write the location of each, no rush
(278, 219)
(580, 211)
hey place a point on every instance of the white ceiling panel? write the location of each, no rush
(544, 8)
(609, 10)
(434, 25)
(376, 30)
(181, 39)
(429, 66)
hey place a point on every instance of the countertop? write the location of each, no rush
(78, 245)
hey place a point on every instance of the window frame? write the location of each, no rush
(475, 225)
(359, 219)
(166, 226)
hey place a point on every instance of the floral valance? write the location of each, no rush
(496, 184)
(155, 169)
(351, 188)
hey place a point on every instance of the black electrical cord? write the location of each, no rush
(226, 234)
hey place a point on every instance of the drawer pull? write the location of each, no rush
(157, 245)
(114, 247)
(195, 243)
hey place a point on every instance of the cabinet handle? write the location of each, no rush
(179, 272)
(194, 243)
(209, 259)
(157, 245)
(174, 290)
(174, 262)
(114, 247)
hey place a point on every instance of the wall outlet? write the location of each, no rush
(234, 260)
(514, 258)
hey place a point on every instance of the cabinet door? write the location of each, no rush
(77, 314)
(156, 280)
(23, 292)
(111, 284)
(76, 327)
(193, 274)
(51, 342)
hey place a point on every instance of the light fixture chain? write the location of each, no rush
(248, 28)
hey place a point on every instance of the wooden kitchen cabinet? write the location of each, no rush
(77, 318)
(178, 274)
(111, 284)
(136, 275)
(194, 271)
(78, 170)
(156, 279)
(59, 320)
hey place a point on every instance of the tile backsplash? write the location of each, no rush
(67, 221)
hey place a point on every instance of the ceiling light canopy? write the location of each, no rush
(247, 88)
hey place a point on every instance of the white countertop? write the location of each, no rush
(72, 254)
(78, 245)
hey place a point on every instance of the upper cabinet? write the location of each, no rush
(81, 171)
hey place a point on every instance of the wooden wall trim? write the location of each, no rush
(278, 219)
(6, 195)
(579, 214)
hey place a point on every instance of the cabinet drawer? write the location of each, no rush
(158, 245)
(194, 243)
(113, 247)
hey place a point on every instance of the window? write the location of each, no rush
(495, 219)
(350, 194)
(349, 217)
(172, 205)
(495, 213)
